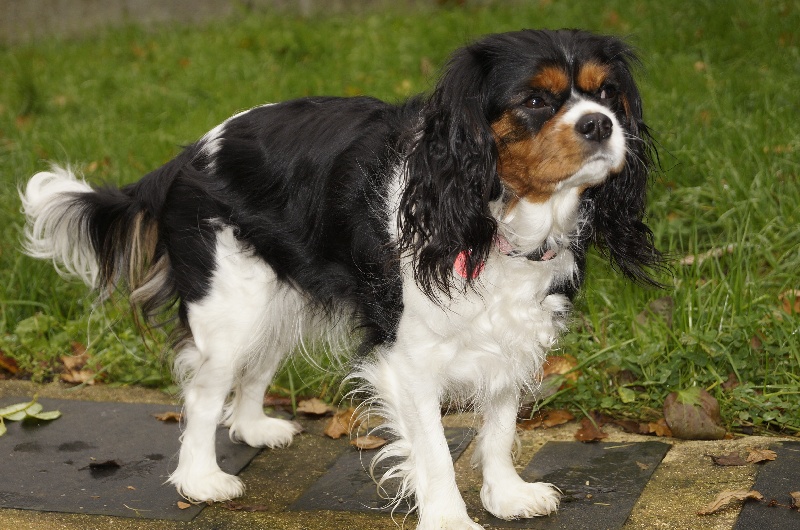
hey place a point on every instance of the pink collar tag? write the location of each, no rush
(504, 246)
(460, 265)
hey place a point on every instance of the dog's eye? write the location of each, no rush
(608, 92)
(535, 102)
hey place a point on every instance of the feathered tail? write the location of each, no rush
(106, 236)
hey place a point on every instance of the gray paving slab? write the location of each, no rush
(347, 485)
(775, 480)
(100, 458)
(600, 482)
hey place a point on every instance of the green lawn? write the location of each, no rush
(720, 90)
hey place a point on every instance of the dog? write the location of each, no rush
(447, 233)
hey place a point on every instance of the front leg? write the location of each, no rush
(406, 395)
(504, 494)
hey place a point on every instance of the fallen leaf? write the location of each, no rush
(630, 426)
(558, 371)
(75, 362)
(761, 455)
(79, 377)
(183, 505)
(170, 416)
(314, 407)
(561, 365)
(590, 431)
(727, 497)
(731, 459)
(693, 414)
(342, 423)
(8, 364)
(659, 428)
(274, 400)
(365, 443)
(795, 495)
(790, 301)
(547, 419)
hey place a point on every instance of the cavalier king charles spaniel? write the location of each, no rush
(447, 233)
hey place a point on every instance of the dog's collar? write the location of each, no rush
(543, 253)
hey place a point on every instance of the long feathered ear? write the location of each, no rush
(451, 175)
(618, 206)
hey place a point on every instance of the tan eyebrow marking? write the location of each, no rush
(552, 79)
(591, 77)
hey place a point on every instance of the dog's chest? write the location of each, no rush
(499, 331)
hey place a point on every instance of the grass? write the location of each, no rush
(719, 87)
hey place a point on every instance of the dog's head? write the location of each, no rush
(523, 116)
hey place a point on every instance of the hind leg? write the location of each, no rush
(242, 313)
(247, 421)
(198, 476)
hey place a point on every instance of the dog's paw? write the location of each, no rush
(214, 485)
(265, 432)
(517, 499)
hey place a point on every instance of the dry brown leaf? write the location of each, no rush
(79, 377)
(790, 301)
(314, 407)
(277, 401)
(590, 431)
(761, 455)
(8, 364)
(183, 505)
(545, 420)
(659, 428)
(75, 362)
(169, 416)
(727, 497)
(693, 414)
(561, 365)
(731, 459)
(365, 443)
(795, 495)
(343, 423)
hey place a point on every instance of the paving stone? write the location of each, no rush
(54, 466)
(600, 483)
(347, 485)
(775, 480)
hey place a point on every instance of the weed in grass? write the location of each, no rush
(719, 91)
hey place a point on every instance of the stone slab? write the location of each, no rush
(600, 483)
(775, 480)
(347, 485)
(57, 466)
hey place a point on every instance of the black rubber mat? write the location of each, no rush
(775, 481)
(100, 458)
(600, 483)
(347, 485)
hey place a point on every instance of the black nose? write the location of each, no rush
(595, 127)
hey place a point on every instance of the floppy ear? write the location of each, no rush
(451, 175)
(617, 208)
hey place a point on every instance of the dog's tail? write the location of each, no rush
(106, 236)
